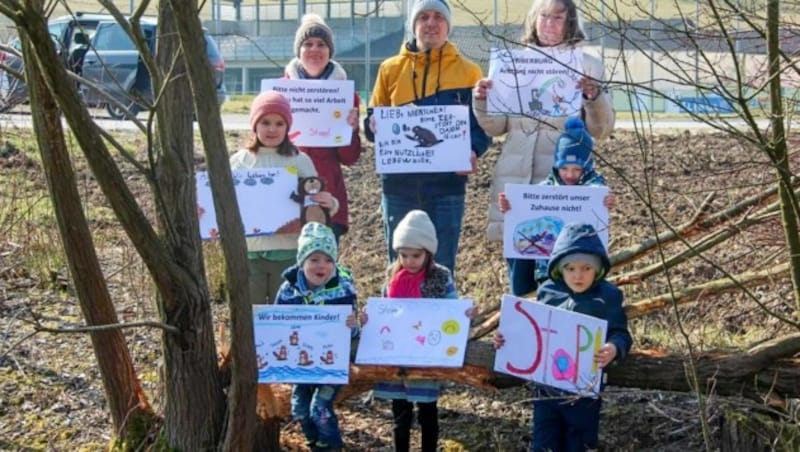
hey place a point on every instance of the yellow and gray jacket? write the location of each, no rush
(433, 77)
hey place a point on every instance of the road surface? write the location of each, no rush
(236, 121)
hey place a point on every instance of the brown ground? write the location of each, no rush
(51, 396)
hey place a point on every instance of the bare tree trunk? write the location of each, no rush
(242, 393)
(126, 399)
(790, 209)
(195, 404)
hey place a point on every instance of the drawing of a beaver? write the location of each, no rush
(424, 137)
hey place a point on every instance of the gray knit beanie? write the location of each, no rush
(312, 26)
(416, 231)
(439, 6)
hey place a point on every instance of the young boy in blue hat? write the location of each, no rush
(572, 165)
(577, 269)
(317, 279)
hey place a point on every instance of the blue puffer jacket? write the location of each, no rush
(602, 300)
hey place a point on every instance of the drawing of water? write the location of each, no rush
(287, 374)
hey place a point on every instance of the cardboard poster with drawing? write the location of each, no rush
(319, 110)
(429, 139)
(551, 346)
(538, 212)
(534, 82)
(265, 202)
(302, 343)
(422, 332)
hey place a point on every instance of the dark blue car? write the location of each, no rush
(70, 35)
(114, 69)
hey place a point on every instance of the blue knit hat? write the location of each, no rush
(574, 146)
(316, 237)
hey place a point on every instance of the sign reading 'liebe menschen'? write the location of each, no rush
(422, 139)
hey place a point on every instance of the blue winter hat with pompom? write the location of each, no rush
(574, 146)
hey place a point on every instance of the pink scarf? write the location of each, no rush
(406, 284)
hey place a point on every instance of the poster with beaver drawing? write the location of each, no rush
(422, 139)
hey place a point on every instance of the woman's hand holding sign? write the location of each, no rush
(590, 88)
(482, 88)
(352, 118)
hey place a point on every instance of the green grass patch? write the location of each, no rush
(238, 104)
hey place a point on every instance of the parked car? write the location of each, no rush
(115, 68)
(12, 90)
(71, 36)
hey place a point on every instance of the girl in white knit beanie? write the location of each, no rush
(414, 274)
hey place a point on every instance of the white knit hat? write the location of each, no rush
(439, 6)
(415, 231)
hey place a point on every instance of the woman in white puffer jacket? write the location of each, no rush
(527, 154)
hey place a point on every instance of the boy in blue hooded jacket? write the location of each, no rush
(317, 279)
(577, 268)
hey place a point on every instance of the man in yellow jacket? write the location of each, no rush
(428, 71)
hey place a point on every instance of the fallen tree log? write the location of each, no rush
(767, 372)
(716, 287)
(645, 306)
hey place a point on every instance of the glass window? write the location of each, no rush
(112, 37)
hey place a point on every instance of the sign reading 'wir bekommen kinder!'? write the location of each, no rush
(422, 139)
(302, 343)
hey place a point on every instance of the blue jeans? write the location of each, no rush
(312, 405)
(446, 213)
(524, 275)
(565, 425)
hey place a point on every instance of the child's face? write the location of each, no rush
(412, 259)
(570, 173)
(579, 276)
(271, 130)
(318, 268)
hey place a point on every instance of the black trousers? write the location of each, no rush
(428, 418)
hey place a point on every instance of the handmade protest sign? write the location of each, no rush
(319, 110)
(265, 202)
(417, 139)
(539, 81)
(538, 212)
(414, 332)
(302, 343)
(551, 346)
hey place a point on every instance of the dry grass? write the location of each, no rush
(51, 397)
